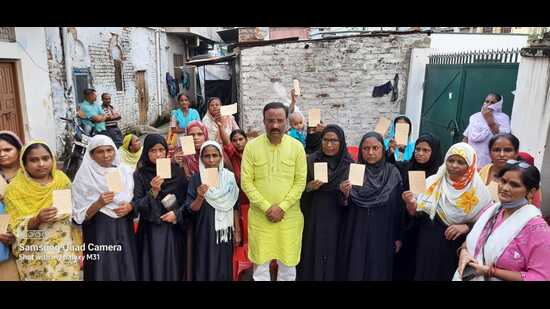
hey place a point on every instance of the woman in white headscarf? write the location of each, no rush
(485, 124)
(445, 212)
(106, 216)
(217, 217)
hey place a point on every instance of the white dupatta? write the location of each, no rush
(90, 181)
(222, 198)
(500, 238)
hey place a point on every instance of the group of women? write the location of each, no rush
(383, 231)
(189, 231)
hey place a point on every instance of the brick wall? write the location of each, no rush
(138, 49)
(337, 76)
(248, 34)
(288, 32)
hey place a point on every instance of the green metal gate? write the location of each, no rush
(455, 87)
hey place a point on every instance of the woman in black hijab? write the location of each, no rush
(371, 229)
(426, 157)
(313, 138)
(160, 236)
(322, 207)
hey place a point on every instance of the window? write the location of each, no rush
(81, 81)
(118, 75)
(116, 54)
(178, 60)
(506, 30)
(487, 29)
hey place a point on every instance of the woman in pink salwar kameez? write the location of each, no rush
(510, 241)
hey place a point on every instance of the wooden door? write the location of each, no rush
(10, 109)
(142, 96)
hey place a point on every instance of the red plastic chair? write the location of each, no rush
(240, 254)
(240, 261)
(354, 152)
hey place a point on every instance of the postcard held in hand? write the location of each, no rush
(3, 186)
(314, 117)
(114, 181)
(4, 221)
(296, 85)
(356, 174)
(417, 181)
(401, 133)
(493, 189)
(320, 171)
(228, 110)
(382, 126)
(62, 200)
(187, 145)
(163, 168)
(211, 177)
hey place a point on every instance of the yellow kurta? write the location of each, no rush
(274, 174)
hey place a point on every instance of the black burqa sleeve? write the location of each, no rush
(148, 208)
(399, 213)
(191, 193)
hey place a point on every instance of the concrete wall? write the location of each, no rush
(34, 83)
(415, 87)
(92, 48)
(175, 46)
(531, 116)
(457, 42)
(337, 76)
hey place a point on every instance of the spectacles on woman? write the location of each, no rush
(330, 141)
(518, 163)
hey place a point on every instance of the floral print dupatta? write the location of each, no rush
(456, 202)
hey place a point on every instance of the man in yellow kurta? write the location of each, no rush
(273, 176)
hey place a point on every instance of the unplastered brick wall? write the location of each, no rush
(337, 76)
(103, 74)
(91, 48)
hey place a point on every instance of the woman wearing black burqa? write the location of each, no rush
(322, 207)
(313, 138)
(426, 157)
(371, 229)
(162, 217)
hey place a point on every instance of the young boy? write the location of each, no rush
(297, 127)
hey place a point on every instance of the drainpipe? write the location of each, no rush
(159, 74)
(68, 65)
(68, 90)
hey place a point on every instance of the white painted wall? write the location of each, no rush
(34, 82)
(415, 87)
(457, 42)
(531, 116)
(174, 45)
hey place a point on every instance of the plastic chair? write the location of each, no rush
(240, 254)
(240, 261)
(354, 152)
